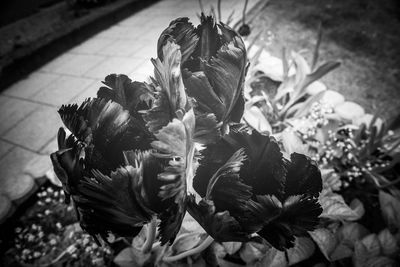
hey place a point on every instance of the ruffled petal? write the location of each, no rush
(219, 225)
(183, 33)
(114, 201)
(132, 96)
(303, 176)
(297, 215)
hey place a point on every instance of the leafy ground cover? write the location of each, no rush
(363, 35)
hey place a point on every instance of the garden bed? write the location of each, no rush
(363, 35)
(44, 231)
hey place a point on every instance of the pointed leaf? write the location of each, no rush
(390, 207)
(335, 208)
(303, 249)
(388, 243)
(326, 241)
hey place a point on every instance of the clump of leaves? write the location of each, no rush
(286, 96)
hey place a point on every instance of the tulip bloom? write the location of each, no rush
(214, 67)
(248, 187)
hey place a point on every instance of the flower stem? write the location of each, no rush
(151, 235)
(219, 10)
(207, 242)
(244, 12)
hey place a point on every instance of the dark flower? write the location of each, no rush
(89, 165)
(130, 152)
(257, 190)
(214, 67)
(244, 30)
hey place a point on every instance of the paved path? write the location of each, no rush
(28, 109)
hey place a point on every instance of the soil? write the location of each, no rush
(363, 34)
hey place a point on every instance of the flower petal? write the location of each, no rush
(297, 215)
(226, 72)
(219, 225)
(128, 94)
(303, 176)
(171, 99)
(183, 33)
(113, 201)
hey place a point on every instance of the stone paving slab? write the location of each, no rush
(62, 90)
(28, 109)
(5, 147)
(14, 110)
(114, 65)
(29, 86)
(92, 46)
(36, 130)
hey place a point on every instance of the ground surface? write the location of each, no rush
(363, 35)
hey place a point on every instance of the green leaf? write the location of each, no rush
(326, 241)
(347, 236)
(367, 253)
(131, 257)
(256, 119)
(331, 180)
(292, 143)
(231, 247)
(349, 233)
(304, 79)
(316, 48)
(302, 250)
(185, 242)
(335, 208)
(390, 207)
(273, 258)
(252, 252)
(125, 258)
(388, 243)
(304, 107)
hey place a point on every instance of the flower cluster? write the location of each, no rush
(47, 234)
(137, 150)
